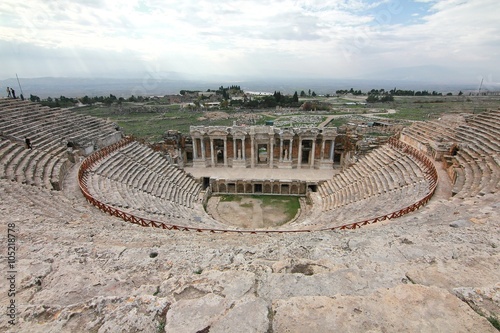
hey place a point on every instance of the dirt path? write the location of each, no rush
(257, 214)
(70, 186)
(444, 188)
(331, 117)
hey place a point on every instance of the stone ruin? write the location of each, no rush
(79, 270)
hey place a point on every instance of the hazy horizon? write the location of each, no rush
(149, 86)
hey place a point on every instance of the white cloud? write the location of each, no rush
(232, 37)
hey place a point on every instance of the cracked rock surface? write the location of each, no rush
(80, 270)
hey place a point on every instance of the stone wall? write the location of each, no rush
(258, 186)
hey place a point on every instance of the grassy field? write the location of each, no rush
(151, 124)
(432, 107)
(288, 205)
(151, 120)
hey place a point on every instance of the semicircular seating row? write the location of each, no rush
(49, 130)
(478, 156)
(42, 203)
(381, 182)
(141, 181)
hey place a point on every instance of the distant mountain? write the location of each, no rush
(160, 84)
(120, 87)
(428, 73)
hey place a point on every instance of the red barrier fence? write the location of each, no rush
(423, 161)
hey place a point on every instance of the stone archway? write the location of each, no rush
(262, 154)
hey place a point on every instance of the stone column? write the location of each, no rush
(252, 151)
(311, 158)
(195, 149)
(212, 157)
(243, 148)
(290, 150)
(322, 154)
(281, 149)
(235, 152)
(202, 140)
(299, 162)
(225, 152)
(332, 147)
(271, 152)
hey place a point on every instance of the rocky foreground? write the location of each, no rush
(79, 270)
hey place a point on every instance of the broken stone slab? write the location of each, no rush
(466, 272)
(484, 300)
(405, 308)
(228, 284)
(252, 316)
(193, 315)
(104, 314)
(345, 281)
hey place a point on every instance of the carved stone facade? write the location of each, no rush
(260, 186)
(262, 146)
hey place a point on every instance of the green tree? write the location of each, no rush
(295, 97)
(387, 98)
(308, 106)
(34, 98)
(372, 98)
(86, 100)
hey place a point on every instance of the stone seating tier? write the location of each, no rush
(481, 141)
(29, 166)
(478, 155)
(150, 172)
(478, 158)
(481, 173)
(381, 171)
(49, 130)
(146, 205)
(47, 127)
(366, 208)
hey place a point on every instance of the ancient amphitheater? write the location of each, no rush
(103, 234)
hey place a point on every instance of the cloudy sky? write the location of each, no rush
(258, 38)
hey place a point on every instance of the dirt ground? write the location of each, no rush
(250, 213)
(241, 117)
(214, 115)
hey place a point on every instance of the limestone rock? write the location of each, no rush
(251, 316)
(460, 223)
(467, 272)
(406, 308)
(100, 314)
(484, 300)
(80, 270)
(346, 281)
(193, 315)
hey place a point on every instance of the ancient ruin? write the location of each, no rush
(262, 146)
(110, 235)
